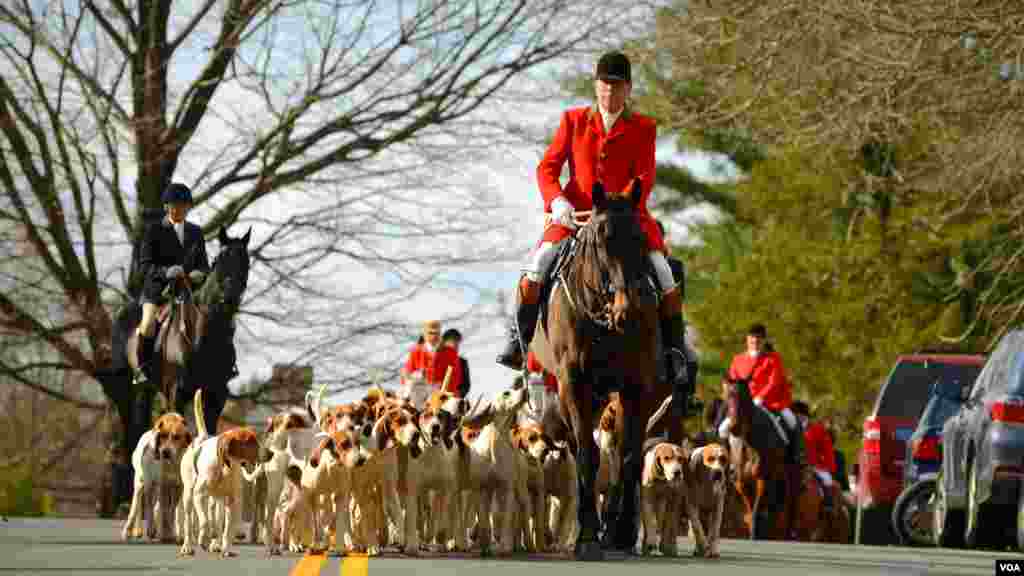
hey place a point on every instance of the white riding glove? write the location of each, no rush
(759, 401)
(174, 272)
(563, 213)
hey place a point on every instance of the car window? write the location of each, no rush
(996, 375)
(938, 410)
(1015, 383)
(906, 392)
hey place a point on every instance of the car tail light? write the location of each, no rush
(1011, 411)
(926, 448)
(872, 436)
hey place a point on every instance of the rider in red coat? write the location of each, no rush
(820, 452)
(769, 386)
(611, 144)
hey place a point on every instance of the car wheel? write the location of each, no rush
(948, 529)
(973, 533)
(912, 516)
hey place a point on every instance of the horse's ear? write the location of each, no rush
(598, 196)
(245, 239)
(637, 193)
(222, 235)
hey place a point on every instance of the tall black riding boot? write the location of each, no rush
(796, 445)
(144, 373)
(521, 326)
(677, 375)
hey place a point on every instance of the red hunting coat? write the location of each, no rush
(768, 379)
(420, 358)
(443, 359)
(819, 448)
(614, 159)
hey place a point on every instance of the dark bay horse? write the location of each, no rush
(195, 339)
(601, 333)
(768, 483)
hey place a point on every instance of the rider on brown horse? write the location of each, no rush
(171, 250)
(768, 385)
(820, 453)
(611, 144)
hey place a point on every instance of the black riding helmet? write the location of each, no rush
(177, 193)
(800, 408)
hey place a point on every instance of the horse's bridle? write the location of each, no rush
(605, 293)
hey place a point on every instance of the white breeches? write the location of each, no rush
(418, 392)
(663, 270)
(536, 391)
(825, 476)
(540, 260)
(786, 413)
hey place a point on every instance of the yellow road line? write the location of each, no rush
(355, 565)
(309, 566)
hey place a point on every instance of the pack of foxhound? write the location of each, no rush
(381, 473)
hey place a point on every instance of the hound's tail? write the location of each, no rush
(197, 408)
(313, 404)
(659, 413)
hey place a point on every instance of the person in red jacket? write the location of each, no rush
(415, 373)
(611, 144)
(447, 356)
(820, 453)
(769, 387)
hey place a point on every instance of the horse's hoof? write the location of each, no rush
(589, 551)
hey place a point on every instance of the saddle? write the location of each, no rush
(761, 425)
(167, 316)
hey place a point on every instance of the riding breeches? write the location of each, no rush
(825, 476)
(538, 263)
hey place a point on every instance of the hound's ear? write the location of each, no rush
(245, 238)
(658, 468)
(383, 430)
(598, 197)
(224, 448)
(222, 236)
(637, 193)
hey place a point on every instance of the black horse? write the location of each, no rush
(211, 363)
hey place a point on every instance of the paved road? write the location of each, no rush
(74, 546)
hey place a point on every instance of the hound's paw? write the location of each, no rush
(214, 548)
(273, 551)
(373, 550)
(186, 550)
(411, 550)
(228, 554)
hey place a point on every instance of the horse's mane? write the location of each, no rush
(211, 291)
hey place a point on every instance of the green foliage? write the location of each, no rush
(18, 496)
(836, 310)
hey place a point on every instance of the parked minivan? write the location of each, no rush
(889, 426)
